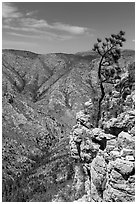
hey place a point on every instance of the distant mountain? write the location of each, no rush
(41, 96)
(125, 52)
(87, 53)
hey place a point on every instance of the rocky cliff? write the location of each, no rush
(104, 160)
(42, 95)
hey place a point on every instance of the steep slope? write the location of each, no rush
(36, 102)
(104, 157)
(57, 83)
(41, 96)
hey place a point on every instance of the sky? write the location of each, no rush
(69, 27)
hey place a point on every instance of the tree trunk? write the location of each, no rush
(99, 103)
(102, 92)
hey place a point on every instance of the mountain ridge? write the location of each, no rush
(41, 96)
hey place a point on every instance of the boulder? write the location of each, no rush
(130, 158)
(89, 150)
(116, 177)
(127, 152)
(114, 154)
(98, 133)
(125, 140)
(118, 182)
(114, 195)
(99, 172)
(123, 166)
(124, 122)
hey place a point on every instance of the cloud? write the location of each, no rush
(38, 34)
(69, 28)
(34, 23)
(13, 20)
(21, 35)
(10, 11)
(31, 13)
(31, 24)
(28, 31)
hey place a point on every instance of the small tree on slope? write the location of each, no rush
(108, 68)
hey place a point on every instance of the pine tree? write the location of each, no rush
(108, 68)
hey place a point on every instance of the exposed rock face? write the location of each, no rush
(121, 185)
(120, 150)
(43, 98)
(85, 143)
(107, 158)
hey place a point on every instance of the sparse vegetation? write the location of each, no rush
(108, 68)
(37, 166)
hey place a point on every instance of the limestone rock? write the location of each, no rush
(125, 140)
(81, 142)
(116, 177)
(96, 196)
(123, 166)
(114, 195)
(132, 131)
(124, 122)
(114, 154)
(119, 184)
(127, 152)
(130, 158)
(98, 133)
(89, 150)
(99, 172)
